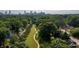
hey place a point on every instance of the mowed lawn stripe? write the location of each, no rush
(30, 42)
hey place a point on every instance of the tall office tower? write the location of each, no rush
(6, 12)
(9, 12)
(24, 12)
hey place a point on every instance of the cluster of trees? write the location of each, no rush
(48, 27)
(10, 28)
(73, 22)
(49, 33)
(57, 20)
(75, 32)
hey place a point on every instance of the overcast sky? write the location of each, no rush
(46, 11)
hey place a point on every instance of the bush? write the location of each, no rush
(75, 32)
(59, 43)
(73, 21)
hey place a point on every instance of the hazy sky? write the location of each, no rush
(46, 11)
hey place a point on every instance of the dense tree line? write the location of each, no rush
(48, 27)
(49, 30)
(10, 28)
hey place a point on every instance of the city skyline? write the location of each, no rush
(38, 11)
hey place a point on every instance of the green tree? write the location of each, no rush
(46, 31)
(15, 25)
(4, 33)
(24, 22)
(65, 36)
(59, 43)
(75, 32)
(73, 21)
(14, 40)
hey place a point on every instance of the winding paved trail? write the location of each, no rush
(36, 39)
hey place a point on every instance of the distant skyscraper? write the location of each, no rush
(31, 12)
(42, 13)
(35, 13)
(9, 11)
(24, 12)
(6, 12)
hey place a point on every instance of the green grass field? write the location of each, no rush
(30, 42)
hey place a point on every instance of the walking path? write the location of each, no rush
(72, 38)
(21, 33)
(75, 40)
(36, 39)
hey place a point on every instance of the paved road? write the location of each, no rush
(21, 33)
(72, 38)
(75, 40)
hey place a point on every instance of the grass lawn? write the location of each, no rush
(30, 42)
